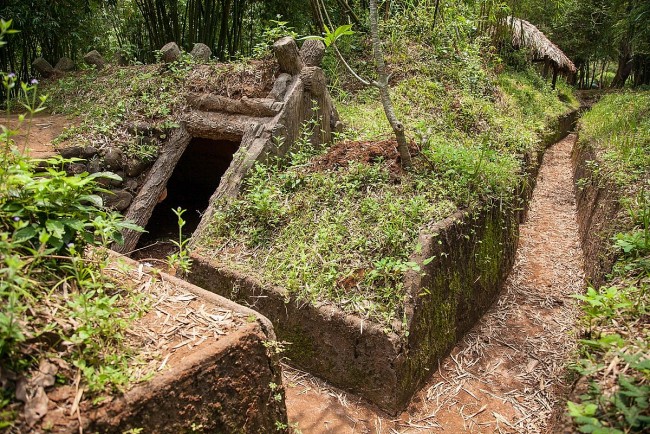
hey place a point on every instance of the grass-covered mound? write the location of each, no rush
(618, 128)
(614, 359)
(338, 225)
(135, 107)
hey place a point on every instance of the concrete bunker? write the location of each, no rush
(257, 127)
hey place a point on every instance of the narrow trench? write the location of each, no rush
(508, 374)
(195, 178)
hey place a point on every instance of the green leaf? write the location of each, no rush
(106, 175)
(131, 226)
(24, 234)
(74, 224)
(56, 228)
(93, 199)
(428, 260)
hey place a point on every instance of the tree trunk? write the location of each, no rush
(154, 185)
(547, 66)
(350, 12)
(625, 55)
(593, 75)
(384, 93)
(602, 74)
(624, 69)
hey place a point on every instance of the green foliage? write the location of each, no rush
(618, 128)
(52, 290)
(330, 37)
(181, 258)
(272, 33)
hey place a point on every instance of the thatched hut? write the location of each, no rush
(525, 34)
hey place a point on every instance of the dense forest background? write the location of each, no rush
(609, 40)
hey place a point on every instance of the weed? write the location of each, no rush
(47, 221)
(271, 34)
(618, 128)
(180, 258)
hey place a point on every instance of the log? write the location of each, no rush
(312, 52)
(218, 126)
(314, 80)
(153, 187)
(287, 55)
(258, 107)
(280, 87)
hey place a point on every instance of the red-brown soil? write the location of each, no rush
(509, 374)
(341, 154)
(39, 133)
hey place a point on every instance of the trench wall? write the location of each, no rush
(598, 214)
(474, 252)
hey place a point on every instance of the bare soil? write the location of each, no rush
(39, 132)
(341, 154)
(234, 80)
(509, 374)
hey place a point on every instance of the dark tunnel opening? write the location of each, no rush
(195, 178)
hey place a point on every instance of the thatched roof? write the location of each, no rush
(524, 34)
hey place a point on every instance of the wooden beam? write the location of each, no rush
(153, 187)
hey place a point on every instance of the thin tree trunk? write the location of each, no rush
(384, 93)
(435, 14)
(593, 75)
(350, 12)
(602, 73)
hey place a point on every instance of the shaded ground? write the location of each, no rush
(43, 129)
(509, 373)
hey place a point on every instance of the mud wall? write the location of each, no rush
(224, 385)
(222, 388)
(474, 253)
(344, 349)
(598, 213)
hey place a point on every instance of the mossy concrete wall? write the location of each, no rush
(474, 251)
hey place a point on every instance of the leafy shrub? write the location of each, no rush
(52, 287)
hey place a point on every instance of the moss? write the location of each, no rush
(489, 256)
(300, 345)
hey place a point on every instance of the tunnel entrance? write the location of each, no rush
(195, 178)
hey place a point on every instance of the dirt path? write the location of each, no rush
(43, 130)
(508, 373)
